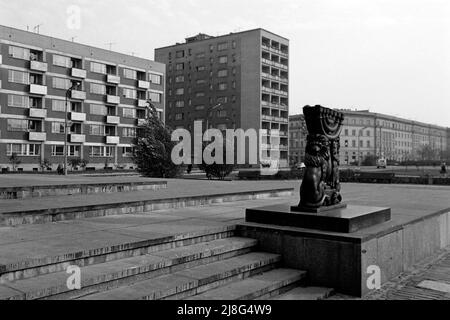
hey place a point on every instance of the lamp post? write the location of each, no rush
(66, 126)
(359, 145)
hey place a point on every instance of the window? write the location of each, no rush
(129, 113)
(57, 127)
(18, 77)
(233, 44)
(129, 93)
(179, 66)
(222, 73)
(353, 132)
(179, 79)
(222, 46)
(179, 54)
(18, 101)
(23, 149)
(201, 81)
(62, 61)
(19, 53)
(155, 97)
(223, 86)
(59, 105)
(179, 91)
(201, 68)
(179, 116)
(179, 104)
(368, 144)
(130, 74)
(72, 151)
(17, 125)
(127, 152)
(200, 107)
(101, 152)
(97, 88)
(97, 130)
(129, 132)
(155, 78)
(346, 132)
(61, 83)
(223, 59)
(200, 94)
(98, 67)
(98, 109)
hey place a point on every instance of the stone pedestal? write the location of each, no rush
(341, 218)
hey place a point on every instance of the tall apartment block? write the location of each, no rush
(106, 104)
(246, 73)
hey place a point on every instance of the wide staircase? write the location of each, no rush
(207, 265)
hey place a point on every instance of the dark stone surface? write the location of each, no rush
(346, 220)
(301, 209)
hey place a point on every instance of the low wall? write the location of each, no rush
(341, 261)
(74, 189)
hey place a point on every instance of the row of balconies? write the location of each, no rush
(81, 95)
(273, 118)
(275, 64)
(274, 147)
(275, 50)
(274, 105)
(81, 73)
(273, 132)
(73, 138)
(74, 116)
(275, 77)
(274, 91)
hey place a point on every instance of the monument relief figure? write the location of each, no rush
(320, 186)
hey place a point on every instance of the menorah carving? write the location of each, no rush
(321, 186)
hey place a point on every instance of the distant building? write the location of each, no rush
(383, 136)
(247, 73)
(297, 139)
(104, 108)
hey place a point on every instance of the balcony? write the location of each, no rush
(112, 79)
(38, 66)
(141, 122)
(38, 89)
(143, 84)
(266, 117)
(77, 138)
(37, 136)
(78, 116)
(78, 73)
(80, 95)
(142, 103)
(112, 140)
(38, 113)
(112, 99)
(112, 120)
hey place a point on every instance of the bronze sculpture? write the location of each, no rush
(321, 186)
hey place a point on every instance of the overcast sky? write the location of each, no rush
(390, 57)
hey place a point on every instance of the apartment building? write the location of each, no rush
(108, 101)
(238, 80)
(297, 139)
(366, 133)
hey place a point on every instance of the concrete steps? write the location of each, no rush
(194, 281)
(49, 264)
(306, 293)
(112, 274)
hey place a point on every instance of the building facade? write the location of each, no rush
(297, 139)
(108, 101)
(235, 81)
(366, 133)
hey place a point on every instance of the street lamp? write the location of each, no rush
(359, 145)
(66, 124)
